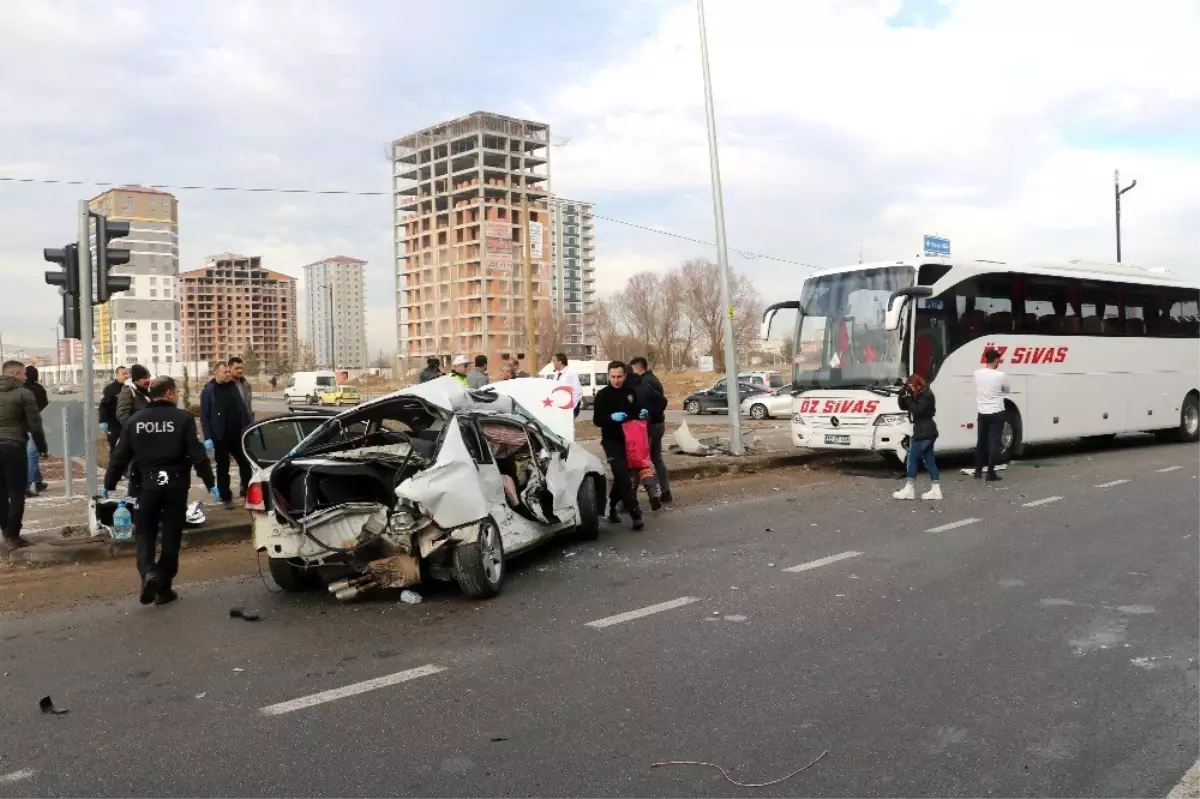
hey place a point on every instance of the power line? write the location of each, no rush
(750, 256)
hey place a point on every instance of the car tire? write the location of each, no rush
(292, 578)
(758, 412)
(313, 399)
(693, 408)
(479, 566)
(589, 509)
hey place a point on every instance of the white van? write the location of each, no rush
(593, 376)
(305, 387)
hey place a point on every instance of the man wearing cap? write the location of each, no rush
(990, 387)
(459, 370)
(133, 397)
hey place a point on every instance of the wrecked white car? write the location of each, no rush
(433, 482)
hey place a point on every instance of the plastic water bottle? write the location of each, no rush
(122, 529)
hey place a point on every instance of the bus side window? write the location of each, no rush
(1136, 303)
(1183, 318)
(1047, 307)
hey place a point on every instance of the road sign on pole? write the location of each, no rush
(935, 245)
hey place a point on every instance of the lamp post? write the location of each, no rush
(735, 421)
(1117, 192)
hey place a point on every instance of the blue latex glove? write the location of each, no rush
(104, 427)
(215, 493)
(208, 445)
(104, 493)
(644, 414)
(619, 417)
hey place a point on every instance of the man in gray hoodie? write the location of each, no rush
(20, 421)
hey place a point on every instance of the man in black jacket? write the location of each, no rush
(616, 404)
(432, 370)
(108, 407)
(36, 484)
(656, 400)
(224, 417)
(161, 443)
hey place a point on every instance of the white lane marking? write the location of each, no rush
(640, 612)
(1113, 483)
(813, 564)
(952, 525)
(16, 776)
(1168, 469)
(1037, 502)
(1189, 784)
(349, 690)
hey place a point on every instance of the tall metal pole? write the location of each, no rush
(735, 420)
(85, 339)
(332, 340)
(1117, 192)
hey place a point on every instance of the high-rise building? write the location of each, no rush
(573, 264)
(141, 325)
(460, 236)
(235, 306)
(336, 329)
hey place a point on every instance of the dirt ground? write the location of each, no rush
(27, 589)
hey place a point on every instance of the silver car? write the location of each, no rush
(776, 405)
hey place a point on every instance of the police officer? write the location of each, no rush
(161, 444)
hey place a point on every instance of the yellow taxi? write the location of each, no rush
(338, 395)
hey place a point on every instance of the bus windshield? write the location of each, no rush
(841, 338)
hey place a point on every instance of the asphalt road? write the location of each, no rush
(1032, 637)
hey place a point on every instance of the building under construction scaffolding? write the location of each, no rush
(461, 238)
(234, 306)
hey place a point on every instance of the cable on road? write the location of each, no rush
(725, 773)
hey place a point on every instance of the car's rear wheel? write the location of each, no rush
(479, 566)
(589, 509)
(758, 411)
(693, 407)
(291, 577)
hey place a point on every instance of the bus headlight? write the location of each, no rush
(891, 419)
(797, 420)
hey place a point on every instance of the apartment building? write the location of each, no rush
(460, 237)
(141, 325)
(335, 297)
(573, 260)
(233, 305)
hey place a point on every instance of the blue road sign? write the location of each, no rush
(935, 245)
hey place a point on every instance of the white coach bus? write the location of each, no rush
(1091, 350)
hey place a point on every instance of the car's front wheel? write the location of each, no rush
(479, 566)
(589, 509)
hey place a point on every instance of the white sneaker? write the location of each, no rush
(905, 493)
(934, 492)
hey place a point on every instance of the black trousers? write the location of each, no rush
(162, 510)
(621, 489)
(657, 431)
(231, 447)
(14, 478)
(114, 435)
(990, 427)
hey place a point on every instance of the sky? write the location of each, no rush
(846, 127)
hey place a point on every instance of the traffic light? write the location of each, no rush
(67, 281)
(106, 284)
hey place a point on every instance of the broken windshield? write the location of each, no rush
(841, 338)
(392, 421)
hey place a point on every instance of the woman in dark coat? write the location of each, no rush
(918, 400)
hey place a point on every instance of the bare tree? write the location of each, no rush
(701, 292)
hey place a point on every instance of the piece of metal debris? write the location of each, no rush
(411, 597)
(247, 615)
(47, 706)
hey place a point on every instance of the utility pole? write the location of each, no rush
(1117, 192)
(735, 420)
(531, 346)
(85, 339)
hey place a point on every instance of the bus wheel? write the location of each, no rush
(1189, 419)
(1011, 445)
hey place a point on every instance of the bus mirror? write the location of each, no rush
(768, 317)
(895, 310)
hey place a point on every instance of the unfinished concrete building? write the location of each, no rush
(461, 239)
(235, 306)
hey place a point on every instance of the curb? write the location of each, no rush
(105, 548)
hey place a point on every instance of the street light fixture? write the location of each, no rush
(735, 421)
(1117, 192)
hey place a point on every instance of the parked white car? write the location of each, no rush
(432, 482)
(775, 405)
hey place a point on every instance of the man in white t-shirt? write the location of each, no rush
(990, 387)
